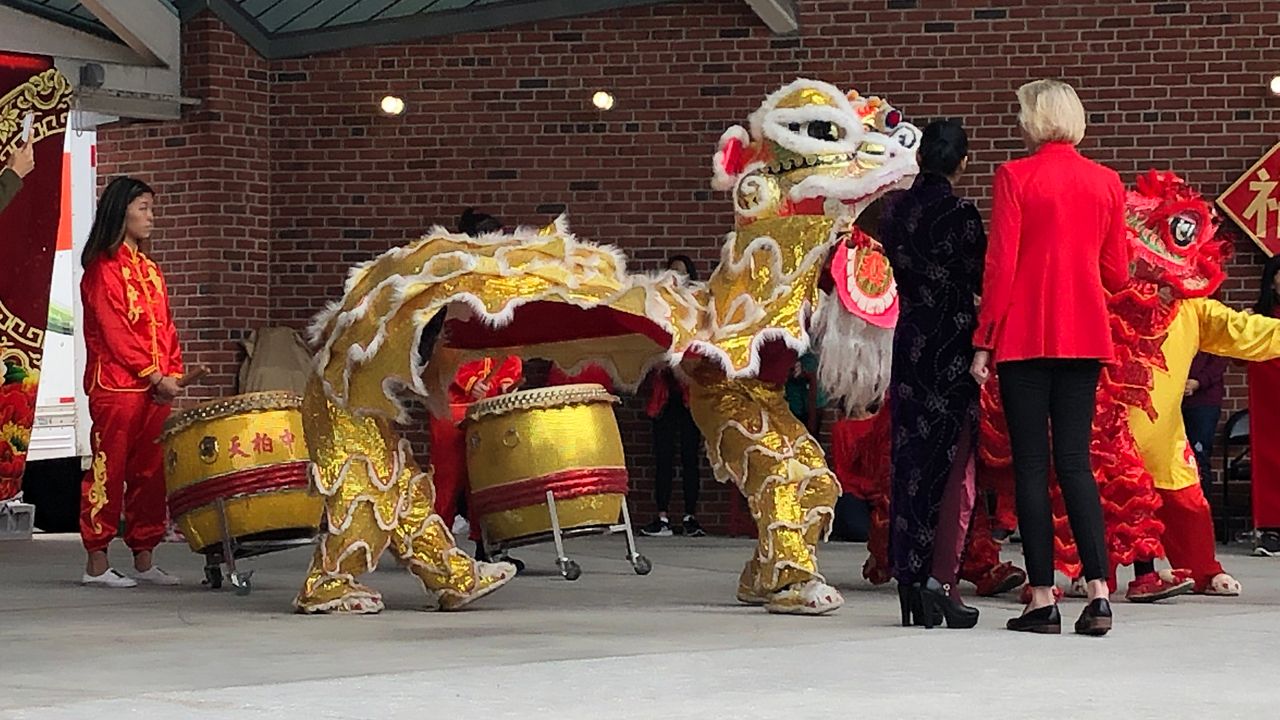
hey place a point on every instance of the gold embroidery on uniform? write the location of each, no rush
(98, 491)
(154, 277)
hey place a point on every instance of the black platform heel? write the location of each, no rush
(914, 612)
(936, 601)
(907, 594)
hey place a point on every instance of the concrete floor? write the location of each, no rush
(610, 645)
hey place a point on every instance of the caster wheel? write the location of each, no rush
(641, 565)
(213, 577)
(242, 583)
(570, 570)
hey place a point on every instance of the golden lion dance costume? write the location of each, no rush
(1152, 499)
(813, 158)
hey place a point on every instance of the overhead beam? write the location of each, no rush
(27, 33)
(123, 83)
(781, 16)
(149, 27)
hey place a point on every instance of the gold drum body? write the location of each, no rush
(249, 452)
(564, 439)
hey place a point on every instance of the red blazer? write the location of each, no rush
(1057, 239)
(128, 329)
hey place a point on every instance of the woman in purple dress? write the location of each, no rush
(936, 243)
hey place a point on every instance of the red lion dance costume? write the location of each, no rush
(1152, 499)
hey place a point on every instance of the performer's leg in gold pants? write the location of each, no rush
(755, 441)
(376, 496)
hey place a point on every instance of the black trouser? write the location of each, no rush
(1202, 423)
(1035, 393)
(676, 422)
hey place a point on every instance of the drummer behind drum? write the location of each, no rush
(132, 375)
(474, 381)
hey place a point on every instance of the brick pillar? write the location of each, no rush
(211, 172)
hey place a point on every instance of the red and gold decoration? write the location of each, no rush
(1253, 202)
(29, 235)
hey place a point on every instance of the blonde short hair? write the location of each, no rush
(1051, 112)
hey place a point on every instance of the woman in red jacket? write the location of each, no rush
(1057, 246)
(131, 377)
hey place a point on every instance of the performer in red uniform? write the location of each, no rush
(474, 381)
(131, 376)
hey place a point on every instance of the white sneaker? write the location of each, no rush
(111, 579)
(156, 576)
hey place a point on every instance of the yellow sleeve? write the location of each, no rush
(1235, 334)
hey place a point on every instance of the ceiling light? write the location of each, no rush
(602, 100)
(392, 105)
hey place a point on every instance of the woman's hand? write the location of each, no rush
(981, 367)
(480, 389)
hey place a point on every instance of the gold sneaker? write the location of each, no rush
(490, 577)
(332, 595)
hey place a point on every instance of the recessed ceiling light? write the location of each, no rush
(392, 105)
(602, 100)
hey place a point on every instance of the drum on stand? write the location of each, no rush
(548, 463)
(237, 475)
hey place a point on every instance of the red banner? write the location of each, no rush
(1253, 202)
(29, 85)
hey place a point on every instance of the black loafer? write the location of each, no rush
(1095, 620)
(1046, 621)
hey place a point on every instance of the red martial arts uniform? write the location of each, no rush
(448, 441)
(129, 334)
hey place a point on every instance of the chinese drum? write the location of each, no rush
(249, 452)
(564, 439)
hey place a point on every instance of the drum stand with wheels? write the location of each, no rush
(232, 549)
(569, 569)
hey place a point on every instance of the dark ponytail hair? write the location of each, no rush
(1267, 301)
(477, 223)
(107, 232)
(943, 147)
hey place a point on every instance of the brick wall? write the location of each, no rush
(502, 121)
(213, 216)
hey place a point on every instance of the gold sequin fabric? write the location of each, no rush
(764, 288)
(755, 442)
(368, 341)
(375, 497)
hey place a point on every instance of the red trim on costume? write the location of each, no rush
(566, 485)
(286, 476)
